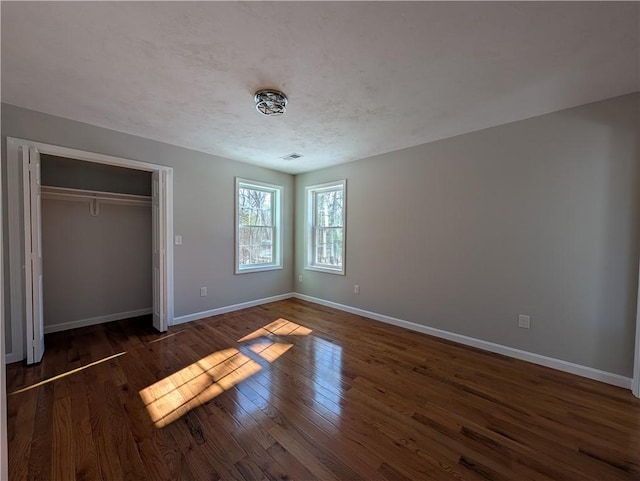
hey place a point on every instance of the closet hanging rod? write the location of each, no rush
(81, 195)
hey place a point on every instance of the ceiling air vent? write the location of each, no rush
(292, 156)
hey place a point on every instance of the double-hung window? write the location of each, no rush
(258, 226)
(325, 236)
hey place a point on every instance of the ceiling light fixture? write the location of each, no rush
(271, 102)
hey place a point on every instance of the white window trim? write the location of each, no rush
(308, 236)
(277, 229)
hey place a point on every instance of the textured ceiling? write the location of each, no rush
(362, 78)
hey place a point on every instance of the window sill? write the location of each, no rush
(247, 270)
(328, 270)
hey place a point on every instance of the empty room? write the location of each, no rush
(320, 241)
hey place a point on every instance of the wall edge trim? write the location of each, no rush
(63, 326)
(233, 307)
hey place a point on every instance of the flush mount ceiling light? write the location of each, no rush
(271, 102)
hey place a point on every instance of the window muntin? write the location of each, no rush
(326, 227)
(257, 226)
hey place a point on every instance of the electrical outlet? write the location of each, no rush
(300, 278)
(203, 292)
(524, 321)
(356, 289)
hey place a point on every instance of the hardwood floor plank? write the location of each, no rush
(191, 429)
(321, 429)
(392, 474)
(294, 468)
(106, 449)
(231, 406)
(296, 391)
(21, 425)
(305, 456)
(87, 467)
(41, 444)
(63, 455)
(130, 461)
(195, 458)
(163, 460)
(257, 456)
(450, 428)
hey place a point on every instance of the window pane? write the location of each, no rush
(255, 245)
(328, 246)
(255, 207)
(329, 208)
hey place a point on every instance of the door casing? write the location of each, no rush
(17, 227)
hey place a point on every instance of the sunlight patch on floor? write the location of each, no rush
(177, 394)
(167, 336)
(68, 373)
(279, 327)
(196, 384)
(270, 351)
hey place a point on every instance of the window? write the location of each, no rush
(325, 227)
(258, 244)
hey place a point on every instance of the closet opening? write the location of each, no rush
(82, 229)
(96, 243)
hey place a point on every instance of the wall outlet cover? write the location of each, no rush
(524, 321)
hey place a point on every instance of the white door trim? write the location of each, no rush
(16, 226)
(635, 383)
(159, 265)
(16, 256)
(33, 254)
(4, 460)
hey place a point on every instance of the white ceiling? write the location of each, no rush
(362, 78)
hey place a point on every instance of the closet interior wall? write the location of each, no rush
(97, 251)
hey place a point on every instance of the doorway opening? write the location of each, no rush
(25, 206)
(96, 243)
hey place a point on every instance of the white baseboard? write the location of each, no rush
(584, 371)
(96, 320)
(565, 366)
(231, 308)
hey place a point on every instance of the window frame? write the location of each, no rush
(276, 216)
(310, 226)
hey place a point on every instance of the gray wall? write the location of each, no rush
(203, 209)
(537, 217)
(94, 266)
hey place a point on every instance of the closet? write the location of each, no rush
(96, 243)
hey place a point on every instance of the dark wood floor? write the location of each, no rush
(292, 390)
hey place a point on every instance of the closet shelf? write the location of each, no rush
(80, 195)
